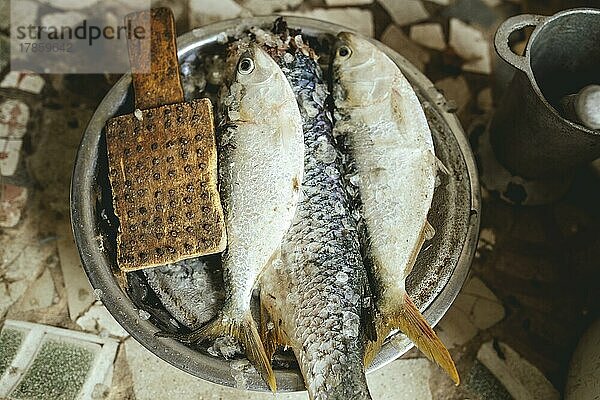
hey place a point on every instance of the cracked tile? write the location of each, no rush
(12, 203)
(476, 308)
(429, 35)
(80, 295)
(470, 44)
(520, 378)
(14, 115)
(204, 12)
(26, 81)
(10, 152)
(404, 379)
(99, 321)
(398, 41)
(355, 18)
(405, 12)
(40, 294)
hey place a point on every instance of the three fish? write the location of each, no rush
(293, 227)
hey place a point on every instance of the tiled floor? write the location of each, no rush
(534, 282)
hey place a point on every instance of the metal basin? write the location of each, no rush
(435, 281)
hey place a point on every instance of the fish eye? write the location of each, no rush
(344, 51)
(246, 66)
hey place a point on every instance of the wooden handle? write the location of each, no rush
(161, 85)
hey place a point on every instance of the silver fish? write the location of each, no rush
(312, 296)
(261, 167)
(382, 123)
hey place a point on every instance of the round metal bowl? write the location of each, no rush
(435, 281)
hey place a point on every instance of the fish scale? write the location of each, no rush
(305, 297)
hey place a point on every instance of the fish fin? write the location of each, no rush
(373, 346)
(245, 331)
(274, 337)
(441, 167)
(412, 323)
(427, 233)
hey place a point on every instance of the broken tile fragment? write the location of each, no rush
(405, 12)
(68, 18)
(429, 35)
(40, 294)
(354, 18)
(473, 11)
(27, 81)
(265, 7)
(14, 115)
(80, 295)
(455, 90)
(520, 378)
(470, 44)
(99, 321)
(70, 4)
(204, 12)
(476, 308)
(414, 375)
(347, 3)
(12, 202)
(441, 2)
(9, 155)
(398, 41)
(482, 382)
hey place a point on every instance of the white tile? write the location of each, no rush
(354, 18)
(429, 35)
(70, 4)
(14, 115)
(40, 294)
(99, 321)
(27, 81)
(150, 374)
(68, 18)
(394, 38)
(204, 12)
(338, 3)
(80, 295)
(470, 44)
(405, 12)
(476, 308)
(520, 378)
(10, 151)
(402, 380)
(455, 90)
(265, 7)
(487, 239)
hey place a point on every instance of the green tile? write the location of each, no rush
(57, 373)
(10, 341)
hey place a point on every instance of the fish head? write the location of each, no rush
(256, 84)
(362, 72)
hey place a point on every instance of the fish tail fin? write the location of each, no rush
(411, 322)
(246, 332)
(272, 336)
(372, 348)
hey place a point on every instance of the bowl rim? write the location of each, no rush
(124, 310)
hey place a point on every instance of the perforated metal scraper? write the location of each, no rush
(163, 160)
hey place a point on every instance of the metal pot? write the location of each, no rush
(435, 281)
(529, 135)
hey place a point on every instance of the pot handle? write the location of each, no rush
(502, 34)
